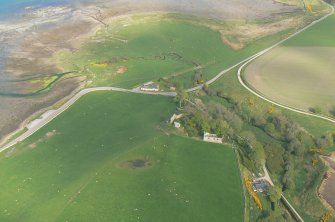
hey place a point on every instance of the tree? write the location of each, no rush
(307, 140)
(329, 139)
(198, 78)
(182, 95)
(280, 122)
(287, 180)
(332, 110)
(275, 194)
(234, 120)
(292, 131)
(288, 177)
(218, 127)
(259, 154)
(270, 129)
(258, 120)
(205, 126)
(296, 147)
(321, 142)
(248, 136)
(222, 94)
(316, 109)
(274, 157)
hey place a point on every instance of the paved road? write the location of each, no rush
(244, 63)
(266, 176)
(219, 75)
(70, 102)
(252, 58)
(293, 210)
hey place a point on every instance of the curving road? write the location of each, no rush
(252, 58)
(70, 102)
(239, 75)
(243, 64)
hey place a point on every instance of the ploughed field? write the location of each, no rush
(108, 159)
(299, 73)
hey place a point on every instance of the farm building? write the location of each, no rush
(175, 117)
(260, 186)
(212, 138)
(177, 125)
(172, 88)
(150, 87)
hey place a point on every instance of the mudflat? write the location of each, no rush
(29, 42)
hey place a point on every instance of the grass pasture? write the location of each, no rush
(106, 159)
(149, 47)
(300, 73)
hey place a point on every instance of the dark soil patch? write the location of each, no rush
(328, 188)
(136, 164)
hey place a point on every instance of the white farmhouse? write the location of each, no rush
(150, 87)
(212, 138)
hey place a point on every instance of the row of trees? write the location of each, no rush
(288, 150)
(291, 153)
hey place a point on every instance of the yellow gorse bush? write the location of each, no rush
(248, 184)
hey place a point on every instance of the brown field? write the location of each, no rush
(238, 36)
(327, 189)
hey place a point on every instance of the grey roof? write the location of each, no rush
(260, 185)
(151, 86)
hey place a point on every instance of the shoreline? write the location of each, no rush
(77, 14)
(56, 112)
(40, 112)
(30, 27)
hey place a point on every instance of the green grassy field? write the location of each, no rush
(320, 35)
(140, 48)
(300, 72)
(106, 159)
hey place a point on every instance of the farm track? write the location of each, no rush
(242, 65)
